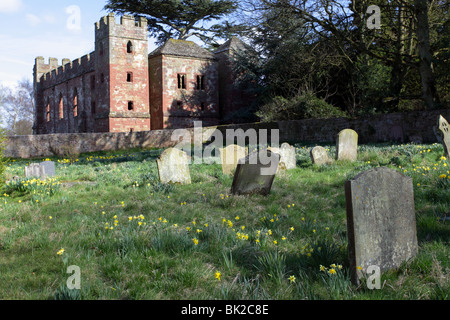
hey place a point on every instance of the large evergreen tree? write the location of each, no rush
(178, 19)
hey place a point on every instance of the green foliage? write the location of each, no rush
(362, 71)
(2, 159)
(273, 265)
(300, 107)
(372, 80)
(64, 293)
(176, 19)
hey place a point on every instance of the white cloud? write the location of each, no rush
(17, 54)
(9, 6)
(49, 18)
(32, 19)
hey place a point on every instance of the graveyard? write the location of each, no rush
(136, 233)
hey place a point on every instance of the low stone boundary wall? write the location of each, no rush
(417, 126)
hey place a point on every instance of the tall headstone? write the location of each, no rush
(444, 127)
(229, 157)
(49, 168)
(255, 173)
(319, 156)
(347, 145)
(173, 167)
(34, 170)
(287, 156)
(381, 221)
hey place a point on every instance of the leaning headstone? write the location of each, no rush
(34, 170)
(287, 156)
(381, 222)
(444, 127)
(173, 167)
(255, 173)
(319, 156)
(229, 157)
(49, 168)
(347, 145)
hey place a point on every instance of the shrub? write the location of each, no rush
(300, 107)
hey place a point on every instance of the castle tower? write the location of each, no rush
(121, 101)
(40, 68)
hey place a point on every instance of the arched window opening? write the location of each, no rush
(129, 76)
(129, 47)
(48, 112)
(75, 104)
(61, 108)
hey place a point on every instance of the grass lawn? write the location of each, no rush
(135, 238)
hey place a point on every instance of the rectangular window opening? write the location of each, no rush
(181, 81)
(129, 76)
(200, 82)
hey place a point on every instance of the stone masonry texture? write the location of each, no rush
(119, 87)
(369, 129)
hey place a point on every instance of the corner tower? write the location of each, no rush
(120, 82)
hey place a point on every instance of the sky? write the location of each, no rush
(47, 28)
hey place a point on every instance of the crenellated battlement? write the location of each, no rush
(125, 20)
(127, 26)
(52, 73)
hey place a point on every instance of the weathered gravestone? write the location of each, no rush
(49, 168)
(255, 173)
(35, 170)
(444, 127)
(347, 145)
(381, 220)
(40, 170)
(319, 156)
(287, 156)
(173, 167)
(229, 157)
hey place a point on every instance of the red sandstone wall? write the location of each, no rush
(100, 81)
(63, 81)
(181, 107)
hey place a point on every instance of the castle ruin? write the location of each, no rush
(119, 87)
